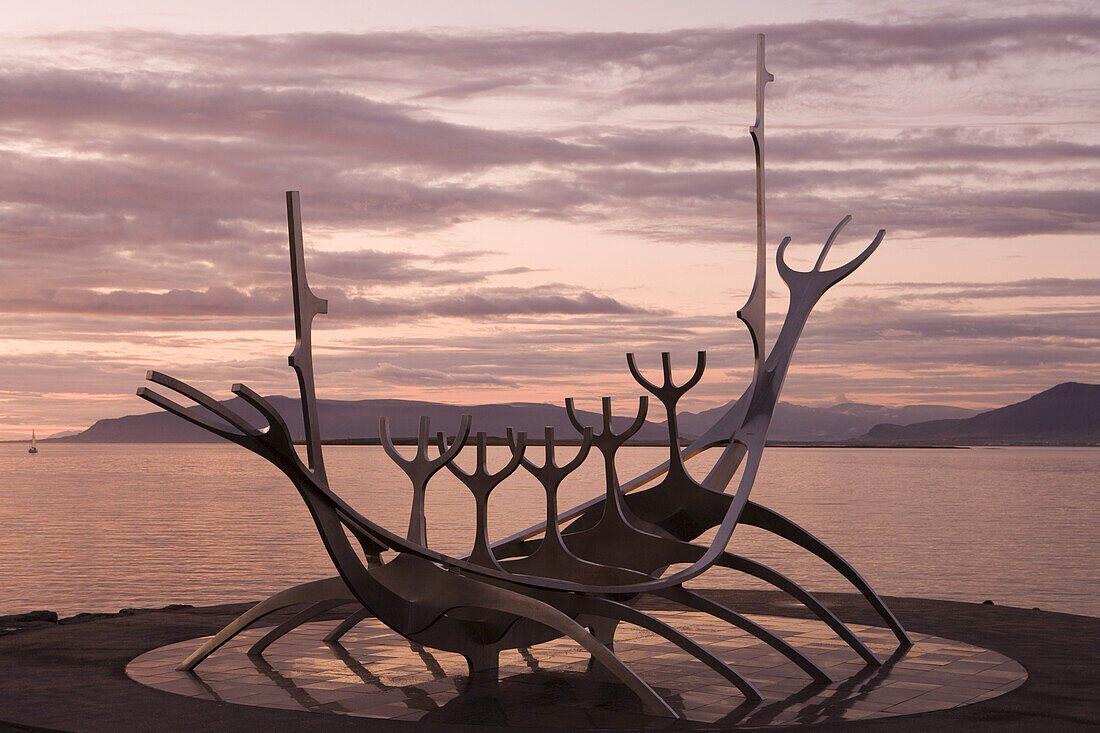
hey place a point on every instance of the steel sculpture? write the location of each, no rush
(578, 573)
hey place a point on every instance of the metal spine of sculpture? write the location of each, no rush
(577, 573)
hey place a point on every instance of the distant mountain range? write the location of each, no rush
(1068, 414)
(845, 421)
(358, 420)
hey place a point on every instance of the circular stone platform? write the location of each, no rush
(375, 673)
(71, 676)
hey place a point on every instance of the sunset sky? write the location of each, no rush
(502, 198)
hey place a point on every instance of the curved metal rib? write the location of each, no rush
(347, 625)
(807, 599)
(701, 603)
(275, 421)
(767, 519)
(620, 611)
(204, 400)
(180, 411)
(304, 616)
(313, 591)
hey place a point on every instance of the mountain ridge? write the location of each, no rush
(843, 421)
(358, 419)
(1066, 414)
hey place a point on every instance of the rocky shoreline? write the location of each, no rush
(17, 622)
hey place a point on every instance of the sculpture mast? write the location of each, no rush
(753, 313)
(306, 306)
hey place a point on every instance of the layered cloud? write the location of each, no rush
(143, 171)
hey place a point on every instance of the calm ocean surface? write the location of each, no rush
(102, 527)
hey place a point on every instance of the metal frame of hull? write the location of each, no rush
(578, 579)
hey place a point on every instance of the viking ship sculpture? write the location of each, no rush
(579, 573)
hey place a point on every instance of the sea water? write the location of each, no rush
(102, 527)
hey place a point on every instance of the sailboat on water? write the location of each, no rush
(34, 447)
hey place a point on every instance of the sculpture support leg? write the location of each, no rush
(612, 609)
(700, 603)
(755, 569)
(316, 590)
(346, 625)
(503, 600)
(603, 629)
(484, 663)
(767, 519)
(294, 622)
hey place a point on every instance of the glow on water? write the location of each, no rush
(102, 527)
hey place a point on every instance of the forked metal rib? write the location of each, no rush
(552, 558)
(420, 468)
(480, 484)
